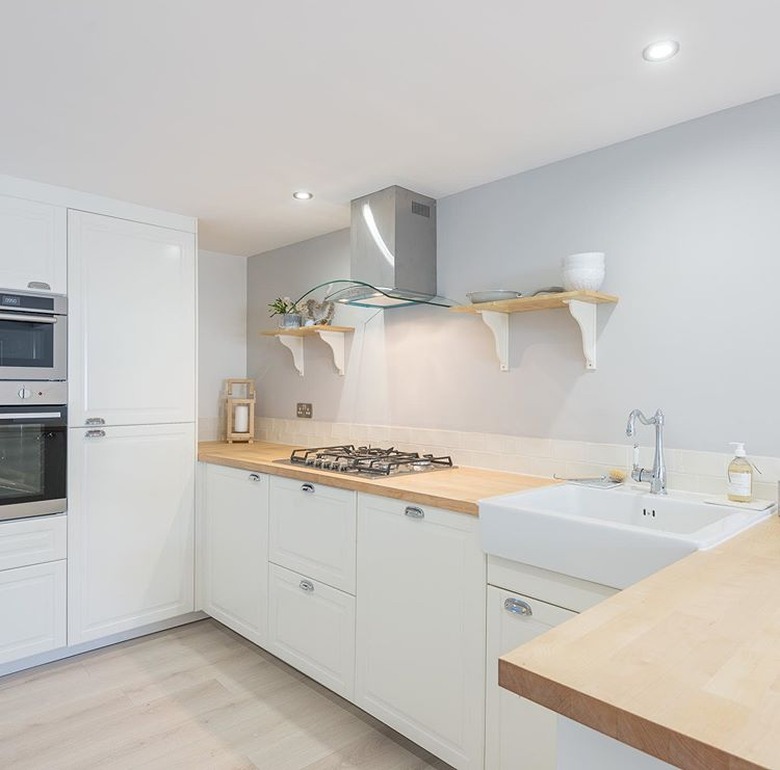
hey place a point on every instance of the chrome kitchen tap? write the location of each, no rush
(656, 477)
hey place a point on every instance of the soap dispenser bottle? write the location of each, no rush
(740, 472)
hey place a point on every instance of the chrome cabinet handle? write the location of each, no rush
(39, 285)
(306, 585)
(413, 512)
(307, 488)
(254, 477)
(94, 421)
(518, 607)
(95, 434)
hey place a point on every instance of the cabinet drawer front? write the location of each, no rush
(312, 531)
(32, 606)
(312, 627)
(32, 541)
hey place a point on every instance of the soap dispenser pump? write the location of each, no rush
(740, 475)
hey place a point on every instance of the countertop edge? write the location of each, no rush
(639, 732)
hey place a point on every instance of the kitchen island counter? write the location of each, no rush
(456, 489)
(684, 665)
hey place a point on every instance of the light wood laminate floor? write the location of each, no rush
(195, 697)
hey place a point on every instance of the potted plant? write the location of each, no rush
(287, 309)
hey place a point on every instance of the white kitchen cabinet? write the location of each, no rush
(234, 549)
(32, 606)
(130, 527)
(519, 733)
(32, 586)
(420, 650)
(33, 244)
(131, 323)
(312, 531)
(312, 626)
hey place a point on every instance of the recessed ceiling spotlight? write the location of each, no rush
(662, 50)
(303, 195)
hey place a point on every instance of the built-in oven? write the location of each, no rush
(33, 336)
(33, 458)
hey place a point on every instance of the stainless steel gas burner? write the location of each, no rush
(368, 460)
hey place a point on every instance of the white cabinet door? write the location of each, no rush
(32, 608)
(421, 626)
(312, 627)
(33, 245)
(131, 322)
(130, 527)
(234, 549)
(520, 734)
(312, 531)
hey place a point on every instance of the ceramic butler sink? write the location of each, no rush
(609, 536)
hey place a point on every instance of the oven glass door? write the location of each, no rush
(32, 347)
(33, 458)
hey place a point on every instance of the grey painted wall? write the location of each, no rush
(689, 218)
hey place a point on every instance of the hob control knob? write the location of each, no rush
(24, 393)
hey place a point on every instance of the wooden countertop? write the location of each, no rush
(457, 489)
(684, 665)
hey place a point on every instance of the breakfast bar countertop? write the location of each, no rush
(457, 489)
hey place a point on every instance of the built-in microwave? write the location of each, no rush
(33, 336)
(33, 460)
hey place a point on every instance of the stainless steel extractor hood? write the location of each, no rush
(393, 250)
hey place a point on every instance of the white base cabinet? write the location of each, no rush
(311, 622)
(520, 734)
(33, 245)
(421, 626)
(130, 527)
(32, 586)
(233, 549)
(312, 627)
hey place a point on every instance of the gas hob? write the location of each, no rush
(367, 460)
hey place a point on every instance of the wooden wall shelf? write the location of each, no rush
(583, 306)
(292, 338)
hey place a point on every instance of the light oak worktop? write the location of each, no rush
(684, 665)
(457, 489)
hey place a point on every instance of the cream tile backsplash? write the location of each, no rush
(688, 470)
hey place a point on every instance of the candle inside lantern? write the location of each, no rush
(241, 419)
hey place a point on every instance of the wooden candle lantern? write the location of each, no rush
(240, 410)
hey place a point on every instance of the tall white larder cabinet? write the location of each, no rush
(132, 434)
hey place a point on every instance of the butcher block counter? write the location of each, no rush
(457, 489)
(684, 665)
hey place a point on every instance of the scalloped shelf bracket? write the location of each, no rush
(586, 316)
(295, 346)
(498, 323)
(335, 340)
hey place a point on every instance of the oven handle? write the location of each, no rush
(41, 319)
(28, 416)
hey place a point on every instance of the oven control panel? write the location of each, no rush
(37, 392)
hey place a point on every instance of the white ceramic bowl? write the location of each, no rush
(589, 278)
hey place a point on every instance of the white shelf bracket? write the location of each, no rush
(498, 323)
(295, 346)
(335, 340)
(586, 315)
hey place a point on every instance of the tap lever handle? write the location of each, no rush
(636, 455)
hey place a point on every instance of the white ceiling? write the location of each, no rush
(220, 109)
